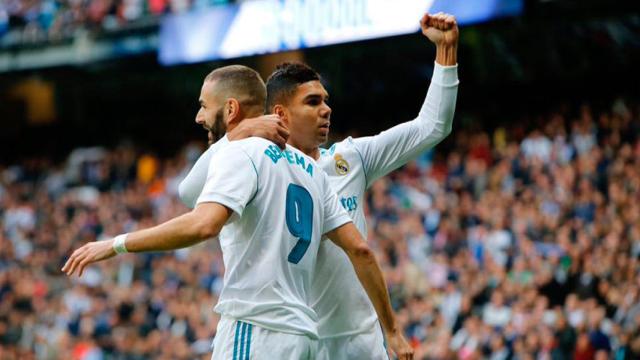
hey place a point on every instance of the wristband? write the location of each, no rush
(118, 244)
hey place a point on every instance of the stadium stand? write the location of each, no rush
(523, 241)
(38, 21)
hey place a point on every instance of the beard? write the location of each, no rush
(218, 129)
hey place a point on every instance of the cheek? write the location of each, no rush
(310, 120)
(303, 121)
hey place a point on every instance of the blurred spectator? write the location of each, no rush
(28, 21)
(504, 250)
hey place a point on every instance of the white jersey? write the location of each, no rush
(353, 165)
(282, 205)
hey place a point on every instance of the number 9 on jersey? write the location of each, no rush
(299, 215)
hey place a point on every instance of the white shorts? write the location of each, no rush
(238, 340)
(368, 345)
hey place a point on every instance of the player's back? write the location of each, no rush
(270, 250)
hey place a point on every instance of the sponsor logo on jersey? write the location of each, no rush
(349, 203)
(342, 166)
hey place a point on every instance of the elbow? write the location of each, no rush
(435, 129)
(446, 126)
(363, 252)
(206, 229)
(446, 131)
(441, 132)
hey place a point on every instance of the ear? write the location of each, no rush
(232, 111)
(282, 112)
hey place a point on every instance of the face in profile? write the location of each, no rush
(211, 113)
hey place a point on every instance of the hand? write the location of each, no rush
(87, 254)
(269, 127)
(400, 346)
(441, 29)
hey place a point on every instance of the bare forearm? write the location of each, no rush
(239, 133)
(368, 271)
(447, 55)
(269, 127)
(371, 278)
(174, 234)
(201, 224)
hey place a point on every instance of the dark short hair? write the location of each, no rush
(284, 82)
(239, 82)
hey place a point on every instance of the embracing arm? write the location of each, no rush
(225, 192)
(203, 223)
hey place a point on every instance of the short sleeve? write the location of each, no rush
(334, 214)
(191, 186)
(232, 179)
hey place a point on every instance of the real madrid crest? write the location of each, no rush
(342, 166)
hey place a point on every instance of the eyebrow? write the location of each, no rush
(314, 96)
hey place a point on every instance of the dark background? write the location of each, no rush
(557, 53)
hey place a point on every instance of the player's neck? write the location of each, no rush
(231, 126)
(313, 151)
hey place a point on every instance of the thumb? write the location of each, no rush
(424, 22)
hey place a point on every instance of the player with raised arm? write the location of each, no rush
(348, 325)
(276, 206)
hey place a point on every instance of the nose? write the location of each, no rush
(199, 117)
(325, 112)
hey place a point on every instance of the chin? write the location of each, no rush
(322, 139)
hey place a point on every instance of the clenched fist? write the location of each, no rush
(441, 28)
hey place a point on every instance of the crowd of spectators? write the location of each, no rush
(522, 242)
(34, 21)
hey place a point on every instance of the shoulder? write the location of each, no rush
(342, 154)
(251, 142)
(240, 152)
(345, 146)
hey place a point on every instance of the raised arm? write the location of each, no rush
(370, 275)
(394, 147)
